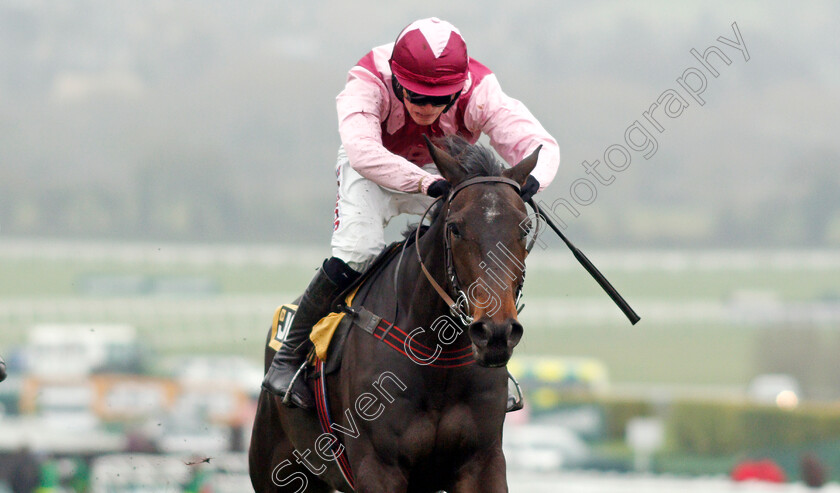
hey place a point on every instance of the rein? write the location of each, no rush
(459, 307)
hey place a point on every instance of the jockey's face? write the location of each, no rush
(422, 114)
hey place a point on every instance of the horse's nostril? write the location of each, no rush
(516, 332)
(479, 333)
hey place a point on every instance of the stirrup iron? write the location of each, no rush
(518, 401)
(287, 397)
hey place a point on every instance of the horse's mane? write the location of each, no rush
(475, 160)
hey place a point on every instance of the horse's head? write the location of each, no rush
(485, 234)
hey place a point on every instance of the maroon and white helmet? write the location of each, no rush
(430, 58)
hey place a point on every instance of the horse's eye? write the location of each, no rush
(524, 230)
(453, 228)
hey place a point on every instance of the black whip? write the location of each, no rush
(593, 271)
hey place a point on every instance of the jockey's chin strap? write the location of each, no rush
(459, 307)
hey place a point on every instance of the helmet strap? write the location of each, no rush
(395, 84)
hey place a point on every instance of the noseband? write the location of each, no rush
(460, 306)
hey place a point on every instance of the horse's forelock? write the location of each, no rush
(475, 160)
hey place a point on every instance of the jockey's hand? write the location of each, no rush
(438, 188)
(528, 190)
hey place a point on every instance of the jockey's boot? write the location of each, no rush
(330, 280)
(2, 369)
(515, 401)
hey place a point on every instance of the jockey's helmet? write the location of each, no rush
(430, 58)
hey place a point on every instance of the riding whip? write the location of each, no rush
(593, 271)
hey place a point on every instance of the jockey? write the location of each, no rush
(422, 84)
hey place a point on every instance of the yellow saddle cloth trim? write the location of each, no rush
(323, 331)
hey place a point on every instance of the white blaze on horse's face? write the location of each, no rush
(491, 207)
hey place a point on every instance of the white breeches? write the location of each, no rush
(362, 211)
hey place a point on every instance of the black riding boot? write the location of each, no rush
(330, 280)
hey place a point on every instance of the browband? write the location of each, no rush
(482, 179)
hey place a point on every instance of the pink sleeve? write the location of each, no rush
(514, 132)
(362, 106)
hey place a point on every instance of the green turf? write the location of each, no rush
(717, 355)
(39, 278)
(689, 284)
(50, 278)
(666, 352)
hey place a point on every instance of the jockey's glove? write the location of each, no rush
(528, 190)
(438, 188)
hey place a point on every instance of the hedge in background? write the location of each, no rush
(723, 428)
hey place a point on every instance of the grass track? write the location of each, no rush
(234, 317)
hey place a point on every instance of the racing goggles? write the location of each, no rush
(423, 100)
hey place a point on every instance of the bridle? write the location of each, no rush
(459, 307)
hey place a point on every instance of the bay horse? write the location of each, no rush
(421, 417)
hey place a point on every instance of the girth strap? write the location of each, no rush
(322, 407)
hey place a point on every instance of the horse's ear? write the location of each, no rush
(447, 165)
(520, 172)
